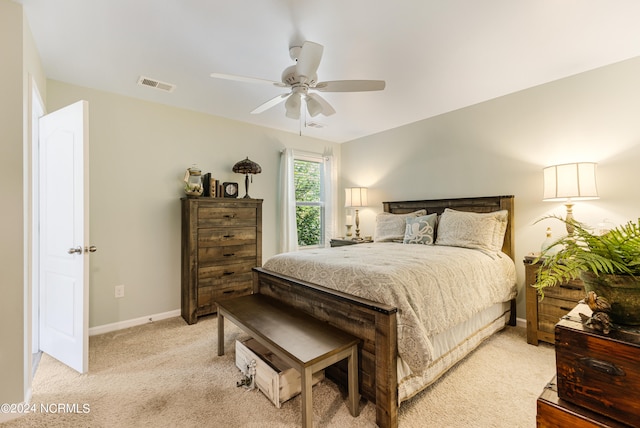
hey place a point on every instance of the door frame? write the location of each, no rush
(35, 107)
(37, 110)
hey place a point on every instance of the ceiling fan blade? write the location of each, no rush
(245, 79)
(350, 86)
(271, 103)
(318, 105)
(309, 60)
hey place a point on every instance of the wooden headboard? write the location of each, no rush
(483, 204)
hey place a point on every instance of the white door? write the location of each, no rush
(64, 235)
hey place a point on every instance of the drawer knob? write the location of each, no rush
(229, 236)
(227, 273)
(229, 255)
(229, 216)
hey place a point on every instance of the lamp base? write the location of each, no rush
(569, 218)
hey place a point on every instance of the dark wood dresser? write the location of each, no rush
(598, 376)
(221, 243)
(542, 315)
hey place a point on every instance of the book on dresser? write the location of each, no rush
(221, 244)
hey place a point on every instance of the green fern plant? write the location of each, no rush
(617, 252)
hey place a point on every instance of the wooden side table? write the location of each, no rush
(542, 315)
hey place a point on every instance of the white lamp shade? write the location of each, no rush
(355, 197)
(576, 181)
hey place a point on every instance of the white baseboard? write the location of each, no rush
(101, 329)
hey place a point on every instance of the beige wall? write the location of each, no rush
(500, 147)
(20, 69)
(138, 155)
(11, 193)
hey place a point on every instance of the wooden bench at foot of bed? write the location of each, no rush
(373, 323)
(305, 343)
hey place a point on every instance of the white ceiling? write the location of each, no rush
(435, 55)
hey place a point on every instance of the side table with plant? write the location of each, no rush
(609, 266)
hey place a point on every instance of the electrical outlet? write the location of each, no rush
(119, 291)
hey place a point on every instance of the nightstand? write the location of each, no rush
(339, 242)
(542, 315)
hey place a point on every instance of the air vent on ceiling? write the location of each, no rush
(152, 83)
(315, 125)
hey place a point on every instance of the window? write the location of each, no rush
(310, 204)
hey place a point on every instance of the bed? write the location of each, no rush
(393, 370)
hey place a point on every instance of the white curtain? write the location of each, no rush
(330, 185)
(288, 229)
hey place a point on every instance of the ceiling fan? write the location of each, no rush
(302, 80)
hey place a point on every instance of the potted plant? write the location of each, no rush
(608, 265)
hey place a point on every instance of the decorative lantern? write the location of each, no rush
(247, 167)
(193, 181)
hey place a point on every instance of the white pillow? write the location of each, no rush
(391, 227)
(483, 231)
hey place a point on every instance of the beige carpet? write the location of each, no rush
(167, 374)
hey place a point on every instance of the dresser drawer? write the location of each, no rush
(214, 237)
(226, 216)
(572, 290)
(207, 296)
(274, 377)
(222, 273)
(550, 310)
(225, 254)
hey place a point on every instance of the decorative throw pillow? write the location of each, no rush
(483, 231)
(390, 227)
(420, 230)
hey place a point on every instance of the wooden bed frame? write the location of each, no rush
(373, 322)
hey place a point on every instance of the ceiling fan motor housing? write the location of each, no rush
(290, 77)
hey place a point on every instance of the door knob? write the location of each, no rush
(77, 250)
(91, 249)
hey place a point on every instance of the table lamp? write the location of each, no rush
(570, 182)
(356, 197)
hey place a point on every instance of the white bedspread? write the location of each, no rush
(434, 287)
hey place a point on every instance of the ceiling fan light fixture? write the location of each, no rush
(293, 106)
(313, 107)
